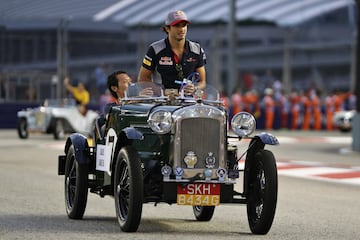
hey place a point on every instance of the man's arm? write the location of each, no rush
(202, 81)
(144, 75)
(67, 84)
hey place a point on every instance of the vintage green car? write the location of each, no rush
(174, 149)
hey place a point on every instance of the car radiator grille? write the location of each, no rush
(201, 136)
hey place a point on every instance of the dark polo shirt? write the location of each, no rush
(161, 61)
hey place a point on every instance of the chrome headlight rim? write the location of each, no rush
(160, 121)
(243, 124)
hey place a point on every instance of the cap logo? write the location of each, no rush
(176, 17)
(178, 14)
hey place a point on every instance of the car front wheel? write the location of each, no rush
(262, 192)
(128, 189)
(22, 128)
(76, 186)
(59, 131)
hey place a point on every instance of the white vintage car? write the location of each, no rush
(57, 117)
(343, 120)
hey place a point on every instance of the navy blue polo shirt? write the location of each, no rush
(160, 60)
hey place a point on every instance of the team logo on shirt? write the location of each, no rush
(147, 62)
(165, 61)
(191, 60)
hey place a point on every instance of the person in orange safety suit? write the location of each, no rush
(269, 106)
(306, 103)
(329, 112)
(316, 108)
(251, 103)
(295, 110)
(236, 101)
(284, 107)
(226, 100)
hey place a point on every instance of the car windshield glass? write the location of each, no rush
(144, 89)
(151, 90)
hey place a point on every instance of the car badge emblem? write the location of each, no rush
(166, 171)
(221, 173)
(207, 173)
(210, 160)
(190, 159)
(179, 172)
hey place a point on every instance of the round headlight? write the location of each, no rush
(243, 124)
(160, 121)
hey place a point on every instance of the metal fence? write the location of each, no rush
(30, 87)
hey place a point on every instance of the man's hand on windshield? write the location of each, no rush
(189, 89)
(147, 92)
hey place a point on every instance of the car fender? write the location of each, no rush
(257, 143)
(26, 113)
(267, 138)
(133, 134)
(81, 146)
(22, 113)
(117, 142)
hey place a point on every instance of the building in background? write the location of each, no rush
(305, 43)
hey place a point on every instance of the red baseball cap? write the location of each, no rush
(175, 17)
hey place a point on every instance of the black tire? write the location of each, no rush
(59, 131)
(128, 189)
(203, 213)
(262, 192)
(22, 128)
(345, 130)
(76, 186)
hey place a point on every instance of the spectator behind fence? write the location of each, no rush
(79, 93)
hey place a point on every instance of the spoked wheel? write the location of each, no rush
(76, 186)
(203, 213)
(59, 131)
(262, 192)
(22, 128)
(128, 189)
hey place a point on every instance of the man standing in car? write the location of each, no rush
(174, 57)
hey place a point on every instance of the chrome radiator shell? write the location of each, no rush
(201, 129)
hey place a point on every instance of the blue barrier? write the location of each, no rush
(8, 113)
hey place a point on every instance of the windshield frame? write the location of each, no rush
(151, 92)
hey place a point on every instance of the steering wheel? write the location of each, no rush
(194, 77)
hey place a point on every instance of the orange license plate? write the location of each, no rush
(198, 194)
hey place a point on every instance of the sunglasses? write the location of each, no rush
(179, 69)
